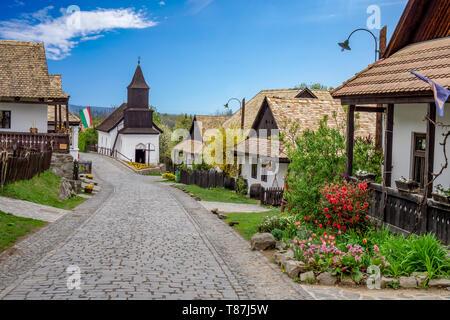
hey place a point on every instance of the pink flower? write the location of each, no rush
(357, 258)
(375, 247)
(295, 241)
(297, 223)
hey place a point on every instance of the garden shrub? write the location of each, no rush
(169, 176)
(241, 186)
(277, 234)
(87, 137)
(274, 222)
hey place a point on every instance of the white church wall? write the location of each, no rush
(129, 142)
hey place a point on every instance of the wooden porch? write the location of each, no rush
(56, 142)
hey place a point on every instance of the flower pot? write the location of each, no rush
(441, 198)
(33, 130)
(408, 186)
(88, 190)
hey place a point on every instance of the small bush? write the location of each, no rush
(277, 233)
(241, 186)
(274, 222)
(169, 176)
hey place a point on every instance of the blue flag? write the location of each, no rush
(441, 94)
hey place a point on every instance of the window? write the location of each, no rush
(264, 172)
(255, 171)
(5, 119)
(418, 157)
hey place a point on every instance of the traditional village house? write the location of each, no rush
(26, 91)
(129, 132)
(263, 157)
(412, 147)
(190, 150)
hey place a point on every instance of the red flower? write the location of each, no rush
(325, 209)
(306, 218)
(366, 204)
(320, 225)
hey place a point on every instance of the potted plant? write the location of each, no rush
(88, 188)
(441, 194)
(365, 175)
(404, 184)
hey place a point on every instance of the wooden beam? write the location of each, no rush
(60, 117)
(56, 116)
(379, 132)
(422, 97)
(243, 113)
(67, 117)
(388, 138)
(370, 109)
(350, 139)
(429, 150)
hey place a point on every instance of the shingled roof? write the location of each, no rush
(307, 113)
(206, 122)
(24, 73)
(112, 120)
(73, 119)
(392, 75)
(253, 105)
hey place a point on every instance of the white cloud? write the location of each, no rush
(162, 3)
(62, 34)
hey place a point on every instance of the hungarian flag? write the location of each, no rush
(86, 117)
(441, 94)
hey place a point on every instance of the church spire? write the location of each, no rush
(138, 90)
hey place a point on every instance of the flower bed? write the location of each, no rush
(139, 166)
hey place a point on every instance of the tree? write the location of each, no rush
(183, 122)
(313, 86)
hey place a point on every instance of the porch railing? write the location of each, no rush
(401, 210)
(56, 142)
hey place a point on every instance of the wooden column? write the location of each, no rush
(388, 137)
(59, 117)
(56, 116)
(429, 150)
(350, 139)
(67, 116)
(243, 113)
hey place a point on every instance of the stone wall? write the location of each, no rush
(62, 165)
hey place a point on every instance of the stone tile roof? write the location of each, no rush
(24, 73)
(392, 75)
(73, 118)
(113, 119)
(262, 147)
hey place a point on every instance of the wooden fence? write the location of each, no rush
(271, 196)
(401, 210)
(56, 142)
(207, 179)
(23, 167)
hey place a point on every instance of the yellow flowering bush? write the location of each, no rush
(169, 176)
(89, 176)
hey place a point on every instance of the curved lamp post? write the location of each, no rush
(346, 44)
(226, 105)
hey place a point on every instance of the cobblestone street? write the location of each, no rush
(141, 239)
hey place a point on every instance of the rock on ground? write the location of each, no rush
(293, 268)
(441, 282)
(307, 277)
(408, 282)
(65, 190)
(327, 278)
(262, 241)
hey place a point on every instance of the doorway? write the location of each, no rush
(140, 156)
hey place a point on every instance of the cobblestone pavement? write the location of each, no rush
(28, 209)
(148, 240)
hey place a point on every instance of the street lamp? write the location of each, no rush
(346, 44)
(242, 106)
(226, 105)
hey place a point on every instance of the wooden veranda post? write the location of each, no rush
(56, 117)
(429, 150)
(59, 117)
(67, 116)
(350, 139)
(388, 145)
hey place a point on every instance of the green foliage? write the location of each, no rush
(241, 186)
(41, 189)
(218, 195)
(367, 158)
(249, 221)
(12, 228)
(277, 234)
(314, 86)
(183, 121)
(87, 137)
(274, 222)
(202, 166)
(316, 160)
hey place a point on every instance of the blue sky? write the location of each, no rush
(196, 54)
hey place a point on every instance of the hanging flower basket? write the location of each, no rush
(407, 185)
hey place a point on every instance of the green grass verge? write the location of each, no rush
(42, 190)
(154, 174)
(12, 228)
(248, 222)
(218, 194)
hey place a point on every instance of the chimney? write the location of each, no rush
(243, 113)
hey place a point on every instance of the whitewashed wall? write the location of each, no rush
(106, 139)
(128, 143)
(247, 173)
(23, 116)
(409, 118)
(74, 145)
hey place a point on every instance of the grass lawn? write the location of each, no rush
(248, 222)
(42, 190)
(154, 174)
(12, 228)
(218, 194)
